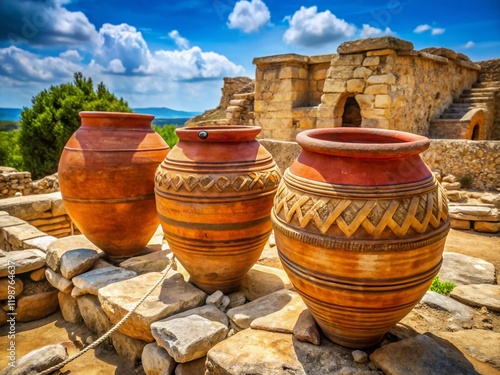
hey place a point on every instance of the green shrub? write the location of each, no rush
(442, 287)
(466, 181)
(167, 132)
(10, 151)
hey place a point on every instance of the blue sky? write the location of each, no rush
(176, 53)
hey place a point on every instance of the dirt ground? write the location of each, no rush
(53, 329)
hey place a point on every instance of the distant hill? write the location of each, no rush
(162, 115)
(10, 114)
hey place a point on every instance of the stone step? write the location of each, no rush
(474, 100)
(453, 115)
(453, 109)
(234, 108)
(246, 95)
(238, 102)
(491, 84)
(486, 90)
(475, 94)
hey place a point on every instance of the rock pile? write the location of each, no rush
(14, 183)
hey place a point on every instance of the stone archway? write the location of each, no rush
(475, 133)
(351, 118)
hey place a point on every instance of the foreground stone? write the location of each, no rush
(306, 329)
(261, 281)
(196, 367)
(38, 360)
(172, 296)
(474, 212)
(465, 270)
(269, 308)
(69, 308)
(57, 248)
(478, 295)
(262, 352)
(93, 315)
(421, 354)
(156, 261)
(36, 306)
(156, 360)
(461, 314)
(58, 282)
(90, 282)
(76, 262)
(6, 286)
(127, 347)
(22, 261)
(478, 343)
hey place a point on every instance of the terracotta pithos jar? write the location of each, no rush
(360, 225)
(214, 194)
(106, 177)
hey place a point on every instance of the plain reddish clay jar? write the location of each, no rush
(360, 224)
(106, 177)
(214, 194)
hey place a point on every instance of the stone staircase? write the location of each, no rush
(455, 121)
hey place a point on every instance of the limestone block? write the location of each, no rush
(334, 85)
(421, 354)
(365, 101)
(340, 73)
(376, 90)
(478, 295)
(362, 72)
(27, 208)
(461, 313)
(156, 360)
(270, 73)
(460, 224)
(38, 275)
(382, 101)
(474, 213)
(352, 60)
(373, 112)
(76, 262)
(40, 243)
(36, 306)
(156, 261)
(17, 234)
(371, 61)
(381, 52)
(261, 281)
(69, 308)
(319, 74)
(57, 248)
(285, 96)
(127, 347)
(90, 282)
(306, 329)
(451, 185)
(388, 79)
(464, 270)
(93, 315)
(371, 44)
(57, 281)
(487, 226)
(9, 221)
(38, 360)
(287, 72)
(21, 261)
(173, 296)
(355, 85)
(14, 286)
(196, 367)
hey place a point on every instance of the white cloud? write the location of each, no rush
(307, 27)
(372, 32)
(421, 28)
(249, 16)
(71, 55)
(469, 44)
(181, 42)
(437, 31)
(116, 66)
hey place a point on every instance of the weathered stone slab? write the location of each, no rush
(196, 367)
(76, 262)
(16, 235)
(22, 260)
(15, 286)
(370, 44)
(475, 213)
(90, 282)
(421, 355)
(69, 308)
(487, 226)
(188, 338)
(38, 275)
(173, 296)
(9, 221)
(460, 312)
(261, 281)
(36, 306)
(283, 320)
(478, 343)
(38, 360)
(283, 300)
(478, 295)
(27, 207)
(93, 315)
(156, 261)
(262, 352)
(465, 270)
(58, 282)
(306, 329)
(127, 347)
(156, 360)
(60, 246)
(460, 224)
(40, 243)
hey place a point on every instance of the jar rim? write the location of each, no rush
(362, 142)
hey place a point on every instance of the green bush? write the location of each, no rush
(10, 151)
(167, 132)
(442, 287)
(466, 181)
(53, 118)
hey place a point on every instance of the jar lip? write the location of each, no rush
(218, 133)
(103, 114)
(362, 142)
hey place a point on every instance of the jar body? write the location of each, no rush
(360, 224)
(214, 194)
(106, 176)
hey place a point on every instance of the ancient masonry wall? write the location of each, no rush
(32, 217)
(14, 183)
(395, 87)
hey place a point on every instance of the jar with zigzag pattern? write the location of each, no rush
(360, 224)
(214, 195)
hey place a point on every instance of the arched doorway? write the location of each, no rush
(475, 133)
(352, 114)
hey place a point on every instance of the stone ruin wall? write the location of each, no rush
(14, 183)
(395, 87)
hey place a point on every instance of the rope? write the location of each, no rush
(101, 339)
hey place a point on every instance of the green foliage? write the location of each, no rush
(10, 152)
(167, 132)
(442, 287)
(466, 181)
(6, 125)
(53, 118)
